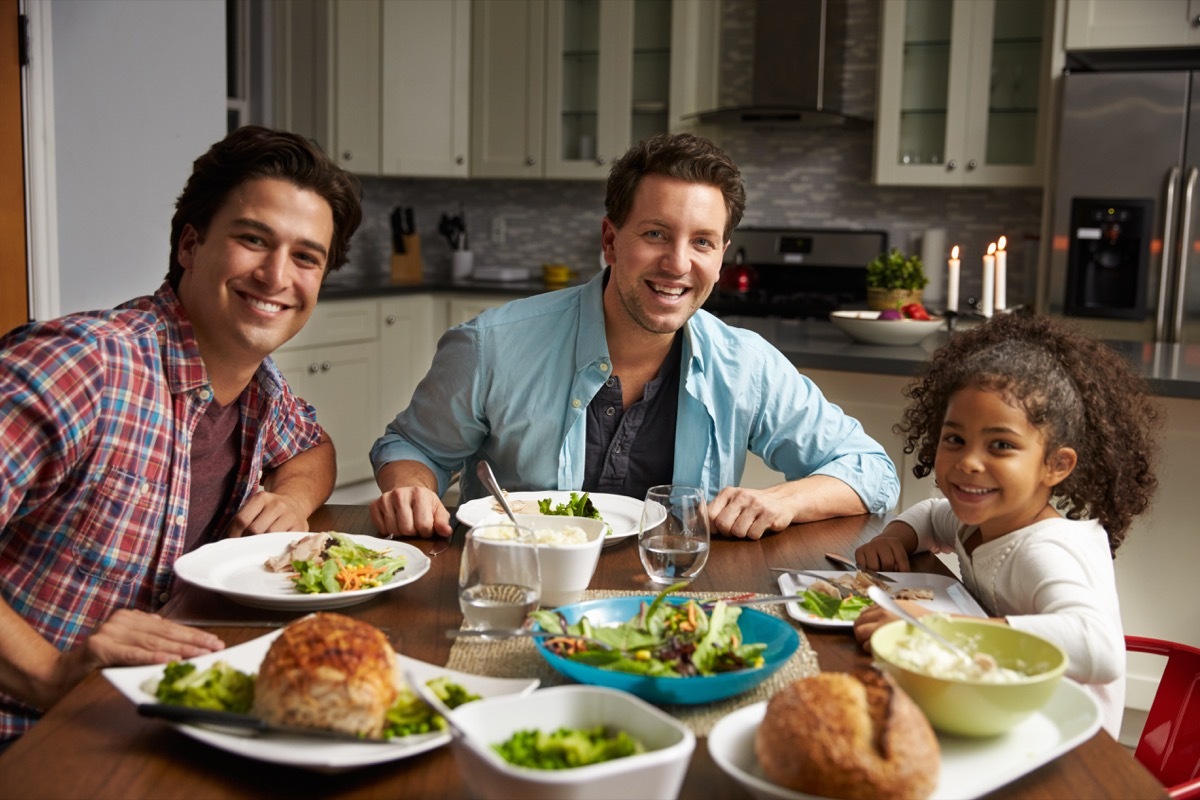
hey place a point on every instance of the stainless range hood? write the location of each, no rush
(798, 51)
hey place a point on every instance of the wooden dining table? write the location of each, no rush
(93, 744)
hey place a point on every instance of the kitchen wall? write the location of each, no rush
(794, 177)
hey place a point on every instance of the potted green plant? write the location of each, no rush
(895, 280)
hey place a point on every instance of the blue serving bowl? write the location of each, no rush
(779, 636)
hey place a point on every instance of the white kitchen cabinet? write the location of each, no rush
(333, 363)
(356, 100)
(507, 80)
(962, 89)
(425, 101)
(382, 85)
(464, 308)
(562, 87)
(407, 339)
(1100, 24)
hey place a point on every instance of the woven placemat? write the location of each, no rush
(518, 658)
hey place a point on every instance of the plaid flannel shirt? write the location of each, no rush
(97, 412)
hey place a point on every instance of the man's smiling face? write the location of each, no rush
(666, 258)
(251, 281)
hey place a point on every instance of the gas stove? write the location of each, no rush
(794, 273)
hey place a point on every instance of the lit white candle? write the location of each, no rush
(986, 303)
(952, 281)
(1001, 274)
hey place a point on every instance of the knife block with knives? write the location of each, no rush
(406, 248)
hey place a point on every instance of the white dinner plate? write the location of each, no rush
(969, 767)
(235, 568)
(948, 595)
(302, 751)
(623, 514)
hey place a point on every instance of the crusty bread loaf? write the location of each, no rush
(328, 671)
(848, 735)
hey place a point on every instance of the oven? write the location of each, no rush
(793, 273)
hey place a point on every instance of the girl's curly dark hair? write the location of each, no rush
(1076, 390)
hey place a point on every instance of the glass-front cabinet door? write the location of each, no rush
(608, 81)
(961, 89)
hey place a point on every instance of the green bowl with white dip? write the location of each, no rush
(962, 698)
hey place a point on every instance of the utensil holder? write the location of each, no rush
(461, 264)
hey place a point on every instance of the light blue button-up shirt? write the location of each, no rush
(512, 387)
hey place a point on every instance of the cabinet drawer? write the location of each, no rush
(338, 322)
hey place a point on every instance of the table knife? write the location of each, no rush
(255, 725)
(847, 564)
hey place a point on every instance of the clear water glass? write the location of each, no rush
(499, 577)
(673, 538)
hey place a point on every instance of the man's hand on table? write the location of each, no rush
(749, 513)
(268, 511)
(410, 511)
(127, 638)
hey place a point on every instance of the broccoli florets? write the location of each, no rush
(220, 687)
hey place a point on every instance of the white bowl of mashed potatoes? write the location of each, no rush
(568, 549)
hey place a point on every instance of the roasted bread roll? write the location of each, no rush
(328, 671)
(848, 735)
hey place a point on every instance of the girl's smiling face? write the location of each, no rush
(992, 464)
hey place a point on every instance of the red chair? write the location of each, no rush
(1170, 743)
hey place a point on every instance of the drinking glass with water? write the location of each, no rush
(499, 577)
(673, 538)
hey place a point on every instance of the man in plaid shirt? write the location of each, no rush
(134, 434)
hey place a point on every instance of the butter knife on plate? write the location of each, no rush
(254, 725)
(847, 564)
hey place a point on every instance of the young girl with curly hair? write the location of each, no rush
(1041, 440)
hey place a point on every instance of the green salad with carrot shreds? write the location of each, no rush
(670, 640)
(346, 566)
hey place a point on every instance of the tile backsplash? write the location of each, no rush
(795, 177)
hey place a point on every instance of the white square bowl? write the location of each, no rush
(656, 773)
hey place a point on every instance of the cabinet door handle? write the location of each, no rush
(530, 160)
(600, 160)
(972, 164)
(347, 155)
(390, 319)
(952, 164)
(314, 368)
(326, 366)
(459, 160)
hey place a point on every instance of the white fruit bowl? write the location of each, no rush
(866, 327)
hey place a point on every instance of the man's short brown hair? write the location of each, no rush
(251, 153)
(676, 155)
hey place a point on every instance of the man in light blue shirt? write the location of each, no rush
(625, 382)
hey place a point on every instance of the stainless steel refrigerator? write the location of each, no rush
(1125, 252)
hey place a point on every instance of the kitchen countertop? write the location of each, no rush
(1172, 370)
(338, 287)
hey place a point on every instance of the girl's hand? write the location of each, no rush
(874, 617)
(884, 553)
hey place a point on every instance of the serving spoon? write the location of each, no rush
(484, 471)
(889, 604)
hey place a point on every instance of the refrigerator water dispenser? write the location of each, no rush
(1109, 260)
